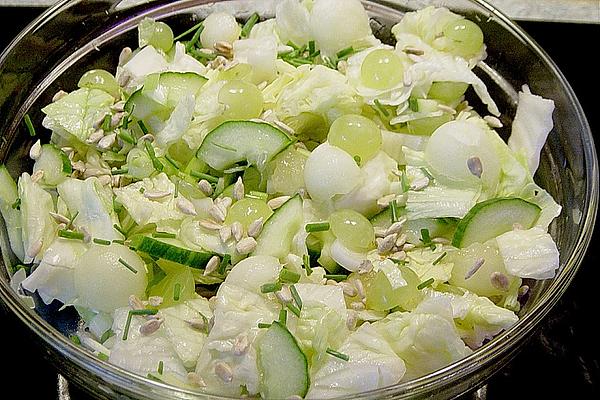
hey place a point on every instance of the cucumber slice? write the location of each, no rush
(279, 230)
(170, 249)
(493, 217)
(437, 227)
(142, 107)
(176, 85)
(12, 216)
(283, 366)
(55, 164)
(236, 141)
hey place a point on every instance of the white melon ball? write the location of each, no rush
(103, 283)
(219, 27)
(460, 151)
(328, 171)
(336, 24)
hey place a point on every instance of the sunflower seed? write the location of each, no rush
(205, 187)
(385, 200)
(365, 266)
(396, 227)
(284, 127)
(478, 263)
(87, 238)
(277, 202)
(212, 265)
(198, 324)
(401, 241)
(399, 255)
(446, 109)
(36, 150)
(351, 320)
(148, 136)
(107, 141)
(105, 180)
(59, 218)
(123, 78)
(360, 289)
(493, 121)
(241, 344)
(116, 118)
(255, 227)
(186, 206)
(246, 245)
(225, 233)
(217, 213)
(237, 230)
(224, 371)
(413, 50)
(135, 303)
(59, 95)
(440, 240)
(357, 306)
(384, 245)
(118, 106)
(523, 290)
(408, 247)
(380, 232)
(499, 280)
(34, 248)
(224, 202)
(37, 175)
(210, 225)
(238, 189)
(156, 195)
(195, 379)
(150, 326)
(124, 56)
(331, 282)
(475, 166)
(155, 301)
(348, 289)
(224, 48)
(419, 183)
(284, 295)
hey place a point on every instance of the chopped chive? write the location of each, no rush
(202, 56)
(437, 260)
(67, 234)
(128, 266)
(335, 277)
(413, 104)
(404, 183)
(296, 296)
(189, 45)
(143, 127)
(249, 25)
(143, 311)
(426, 173)
(426, 239)
(192, 29)
(29, 125)
(283, 316)
(119, 171)
(425, 284)
(380, 108)
(153, 377)
(172, 161)
(270, 287)
(177, 292)
(17, 204)
(328, 62)
(344, 53)
(394, 211)
(127, 324)
(311, 47)
(253, 194)
(223, 265)
(293, 309)
(75, 339)
(306, 262)
(155, 161)
(119, 241)
(337, 354)
(106, 335)
(287, 276)
(164, 235)
(399, 262)
(142, 189)
(296, 62)
(103, 356)
(357, 159)
(201, 175)
(237, 168)
(102, 241)
(317, 226)
(120, 230)
(176, 194)
(292, 45)
(106, 123)
(73, 219)
(263, 325)
(161, 366)
(126, 136)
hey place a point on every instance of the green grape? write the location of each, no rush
(139, 164)
(352, 229)
(177, 286)
(100, 79)
(466, 37)
(381, 296)
(287, 175)
(447, 92)
(356, 135)
(239, 71)
(382, 69)
(248, 210)
(156, 34)
(428, 125)
(242, 100)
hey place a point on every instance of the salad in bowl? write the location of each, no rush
(286, 207)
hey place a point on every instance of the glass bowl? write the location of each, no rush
(74, 36)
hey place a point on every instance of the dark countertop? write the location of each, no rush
(561, 359)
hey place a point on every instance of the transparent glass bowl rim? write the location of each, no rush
(455, 371)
